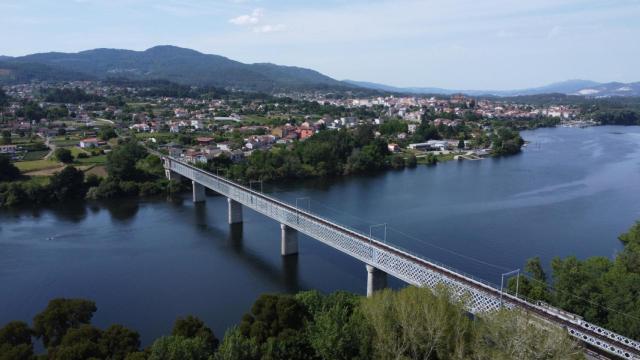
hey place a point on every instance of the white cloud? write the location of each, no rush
(248, 19)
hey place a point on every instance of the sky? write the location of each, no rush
(456, 44)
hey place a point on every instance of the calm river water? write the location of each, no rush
(570, 192)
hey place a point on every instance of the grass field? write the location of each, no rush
(100, 159)
(63, 143)
(35, 155)
(76, 150)
(26, 166)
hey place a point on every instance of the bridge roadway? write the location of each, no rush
(381, 259)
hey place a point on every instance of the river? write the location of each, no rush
(570, 192)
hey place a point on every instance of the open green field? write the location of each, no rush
(35, 155)
(76, 150)
(99, 160)
(70, 142)
(26, 166)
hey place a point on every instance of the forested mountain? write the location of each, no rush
(183, 66)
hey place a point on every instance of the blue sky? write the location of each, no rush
(462, 44)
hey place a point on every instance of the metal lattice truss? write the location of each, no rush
(478, 296)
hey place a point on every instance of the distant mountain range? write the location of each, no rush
(190, 67)
(179, 65)
(569, 87)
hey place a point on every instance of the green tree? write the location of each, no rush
(180, 348)
(411, 161)
(117, 342)
(8, 171)
(191, 327)
(107, 133)
(52, 323)
(236, 346)
(78, 343)
(63, 155)
(512, 334)
(15, 341)
(121, 162)
(338, 329)
(67, 184)
(415, 323)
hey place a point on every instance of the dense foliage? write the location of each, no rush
(327, 153)
(69, 96)
(603, 291)
(506, 142)
(132, 172)
(413, 323)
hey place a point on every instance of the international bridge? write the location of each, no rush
(381, 259)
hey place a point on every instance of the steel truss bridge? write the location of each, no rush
(382, 258)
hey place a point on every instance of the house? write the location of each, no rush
(140, 127)
(305, 133)
(393, 148)
(89, 143)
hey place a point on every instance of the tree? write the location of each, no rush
(415, 323)
(236, 346)
(8, 171)
(411, 161)
(512, 334)
(52, 324)
(117, 342)
(276, 324)
(180, 348)
(338, 329)
(63, 155)
(78, 344)
(121, 162)
(15, 341)
(68, 184)
(191, 327)
(107, 133)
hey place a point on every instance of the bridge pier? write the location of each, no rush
(171, 175)
(235, 211)
(198, 192)
(376, 280)
(288, 240)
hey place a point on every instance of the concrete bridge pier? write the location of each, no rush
(198, 192)
(235, 211)
(288, 240)
(376, 280)
(172, 175)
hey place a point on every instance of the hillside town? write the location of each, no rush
(199, 127)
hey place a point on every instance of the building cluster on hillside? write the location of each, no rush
(229, 127)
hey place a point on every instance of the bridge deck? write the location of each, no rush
(479, 296)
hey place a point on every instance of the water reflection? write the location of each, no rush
(123, 211)
(74, 211)
(290, 273)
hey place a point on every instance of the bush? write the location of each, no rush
(63, 155)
